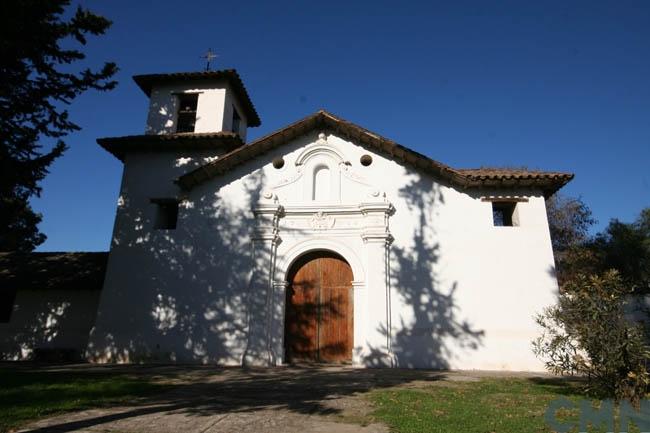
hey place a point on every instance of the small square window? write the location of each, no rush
(236, 120)
(186, 112)
(166, 214)
(7, 299)
(503, 214)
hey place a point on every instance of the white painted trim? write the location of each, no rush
(320, 147)
(285, 262)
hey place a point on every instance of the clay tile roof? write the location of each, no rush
(118, 146)
(485, 174)
(548, 182)
(147, 82)
(48, 271)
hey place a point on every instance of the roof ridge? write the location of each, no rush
(280, 130)
(549, 182)
(233, 70)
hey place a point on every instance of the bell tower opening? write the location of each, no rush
(198, 102)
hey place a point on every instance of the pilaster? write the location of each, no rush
(265, 240)
(376, 349)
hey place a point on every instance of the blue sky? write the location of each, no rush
(547, 85)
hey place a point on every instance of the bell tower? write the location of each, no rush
(197, 102)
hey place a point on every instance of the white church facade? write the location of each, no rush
(320, 242)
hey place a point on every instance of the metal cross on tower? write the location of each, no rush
(208, 57)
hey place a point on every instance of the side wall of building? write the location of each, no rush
(48, 321)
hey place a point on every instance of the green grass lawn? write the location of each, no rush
(490, 405)
(28, 395)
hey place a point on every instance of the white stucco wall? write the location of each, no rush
(461, 293)
(213, 111)
(48, 319)
(159, 302)
(230, 103)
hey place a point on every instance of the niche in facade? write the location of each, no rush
(322, 185)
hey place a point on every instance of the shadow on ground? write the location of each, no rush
(211, 391)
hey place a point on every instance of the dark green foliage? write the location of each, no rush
(626, 247)
(621, 246)
(587, 333)
(36, 82)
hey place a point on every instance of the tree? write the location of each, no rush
(35, 86)
(621, 246)
(626, 248)
(569, 220)
(587, 333)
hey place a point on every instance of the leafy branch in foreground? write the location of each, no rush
(587, 333)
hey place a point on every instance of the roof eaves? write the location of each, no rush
(119, 146)
(52, 270)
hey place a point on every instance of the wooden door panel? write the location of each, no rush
(335, 272)
(302, 314)
(334, 339)
(319, 310)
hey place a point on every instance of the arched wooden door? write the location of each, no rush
(319, 310)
